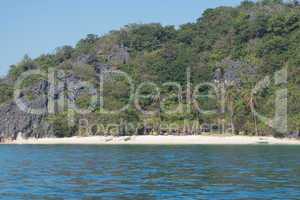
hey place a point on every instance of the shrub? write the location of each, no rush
(6, 92)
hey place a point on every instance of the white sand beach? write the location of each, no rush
(160, 140)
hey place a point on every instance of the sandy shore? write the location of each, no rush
(161, 140)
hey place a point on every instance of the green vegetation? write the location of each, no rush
(261, 37)
(61, 126)
(6, 92)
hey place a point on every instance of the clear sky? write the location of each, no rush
(34, 27)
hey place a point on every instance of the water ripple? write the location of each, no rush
(149, 172)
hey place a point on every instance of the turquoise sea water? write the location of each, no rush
(149, 172)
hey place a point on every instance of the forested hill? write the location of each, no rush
(231, 47)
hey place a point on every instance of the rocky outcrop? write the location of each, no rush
(13, 121)
(234, 72)
(17, 118)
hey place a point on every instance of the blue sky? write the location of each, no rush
(34, 27)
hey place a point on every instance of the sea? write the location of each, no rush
(149, 172)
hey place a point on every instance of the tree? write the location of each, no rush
(63, 53)
(6, 92)
(247, 4)
(26, 64)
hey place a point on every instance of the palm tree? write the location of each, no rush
(230, 93)
(251, 104)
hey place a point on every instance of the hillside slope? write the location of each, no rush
(233, 48)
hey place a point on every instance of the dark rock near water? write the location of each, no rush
(16, 118)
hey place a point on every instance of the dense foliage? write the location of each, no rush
(261, 37)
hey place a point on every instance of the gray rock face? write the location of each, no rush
(115, 54)
(119, 54)
(233, 72)
(15, 119)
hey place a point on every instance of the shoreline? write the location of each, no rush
(158, 140)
